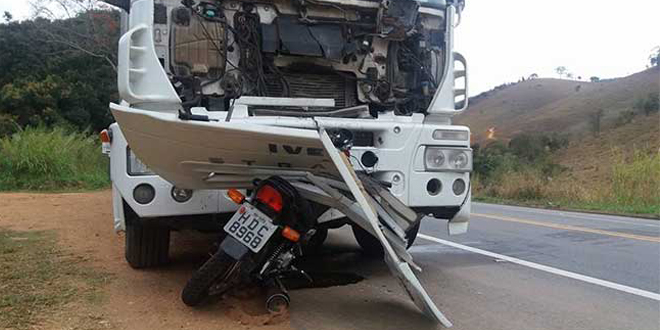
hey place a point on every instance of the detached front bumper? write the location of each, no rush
(215, 154)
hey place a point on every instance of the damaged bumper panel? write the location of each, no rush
(211, 155)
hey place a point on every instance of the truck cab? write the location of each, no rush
(384, 72)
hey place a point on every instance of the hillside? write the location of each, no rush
(554, 105)
(614, 168)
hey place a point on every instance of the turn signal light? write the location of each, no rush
(105, 136)
(236, 196)
(291, 234)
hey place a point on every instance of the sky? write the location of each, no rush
(506, 40)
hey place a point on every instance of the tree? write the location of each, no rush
(569, 75)
(86, 26)
(649, 104)
(533, 76)
(530, 147)
(594, 79)
(47, 82)
(7, 16)
(561, 70)
(654, 58)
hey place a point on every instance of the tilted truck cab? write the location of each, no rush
(382, 72)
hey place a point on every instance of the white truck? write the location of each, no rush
(392, 67)
(218, 93)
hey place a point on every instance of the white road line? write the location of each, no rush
(548, 269)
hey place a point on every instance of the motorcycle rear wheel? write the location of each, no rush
(218, 268)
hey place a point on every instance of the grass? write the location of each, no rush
(37, 279)
(633, 187)
(52, 160)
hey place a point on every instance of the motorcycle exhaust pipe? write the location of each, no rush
(277, 299)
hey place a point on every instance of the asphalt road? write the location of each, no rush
(517, 268)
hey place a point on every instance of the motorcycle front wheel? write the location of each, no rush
(219, 268)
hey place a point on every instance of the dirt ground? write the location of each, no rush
(132, 299)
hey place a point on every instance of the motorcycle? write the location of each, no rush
(264, 237)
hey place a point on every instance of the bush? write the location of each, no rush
(529, 147)
(524, 185)
(633, 186)
(7, 125)
(648, 105)
(636, 180)
(51, 159)
(625, 117)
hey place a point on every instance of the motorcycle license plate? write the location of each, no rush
(250, 227)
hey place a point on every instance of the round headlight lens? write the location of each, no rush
(460, 160)
(181, 195)
(144, 193)
(435, 158)
(458, 187)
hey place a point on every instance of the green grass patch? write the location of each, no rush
(37, 279)
(52, 160)
(632, 188)
(524, 173)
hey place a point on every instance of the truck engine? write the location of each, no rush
(377, 55)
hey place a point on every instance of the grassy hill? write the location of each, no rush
(612, 166)
(554, 105)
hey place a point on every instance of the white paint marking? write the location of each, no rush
(548, 269)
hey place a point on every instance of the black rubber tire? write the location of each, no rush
(197, 288)
(371, 245)
(315, 244)
(146, 246)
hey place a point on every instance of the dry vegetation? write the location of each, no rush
(614, 169)
(553, 105)
(37, 279)
(631, 186)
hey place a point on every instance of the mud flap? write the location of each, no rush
(400, 269)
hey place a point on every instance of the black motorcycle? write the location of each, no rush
(263, 238)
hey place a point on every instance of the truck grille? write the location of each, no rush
(330, 86)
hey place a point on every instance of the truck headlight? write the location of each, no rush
(435, 158)
(448, 159)
(459, 160)
(135, 166)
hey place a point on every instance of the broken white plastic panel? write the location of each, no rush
(400, 269)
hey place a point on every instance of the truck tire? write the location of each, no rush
(371, 245)
(146, 246)
(219, 266)
(315, 244)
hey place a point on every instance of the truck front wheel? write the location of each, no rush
(146, 245)
(371, 245)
